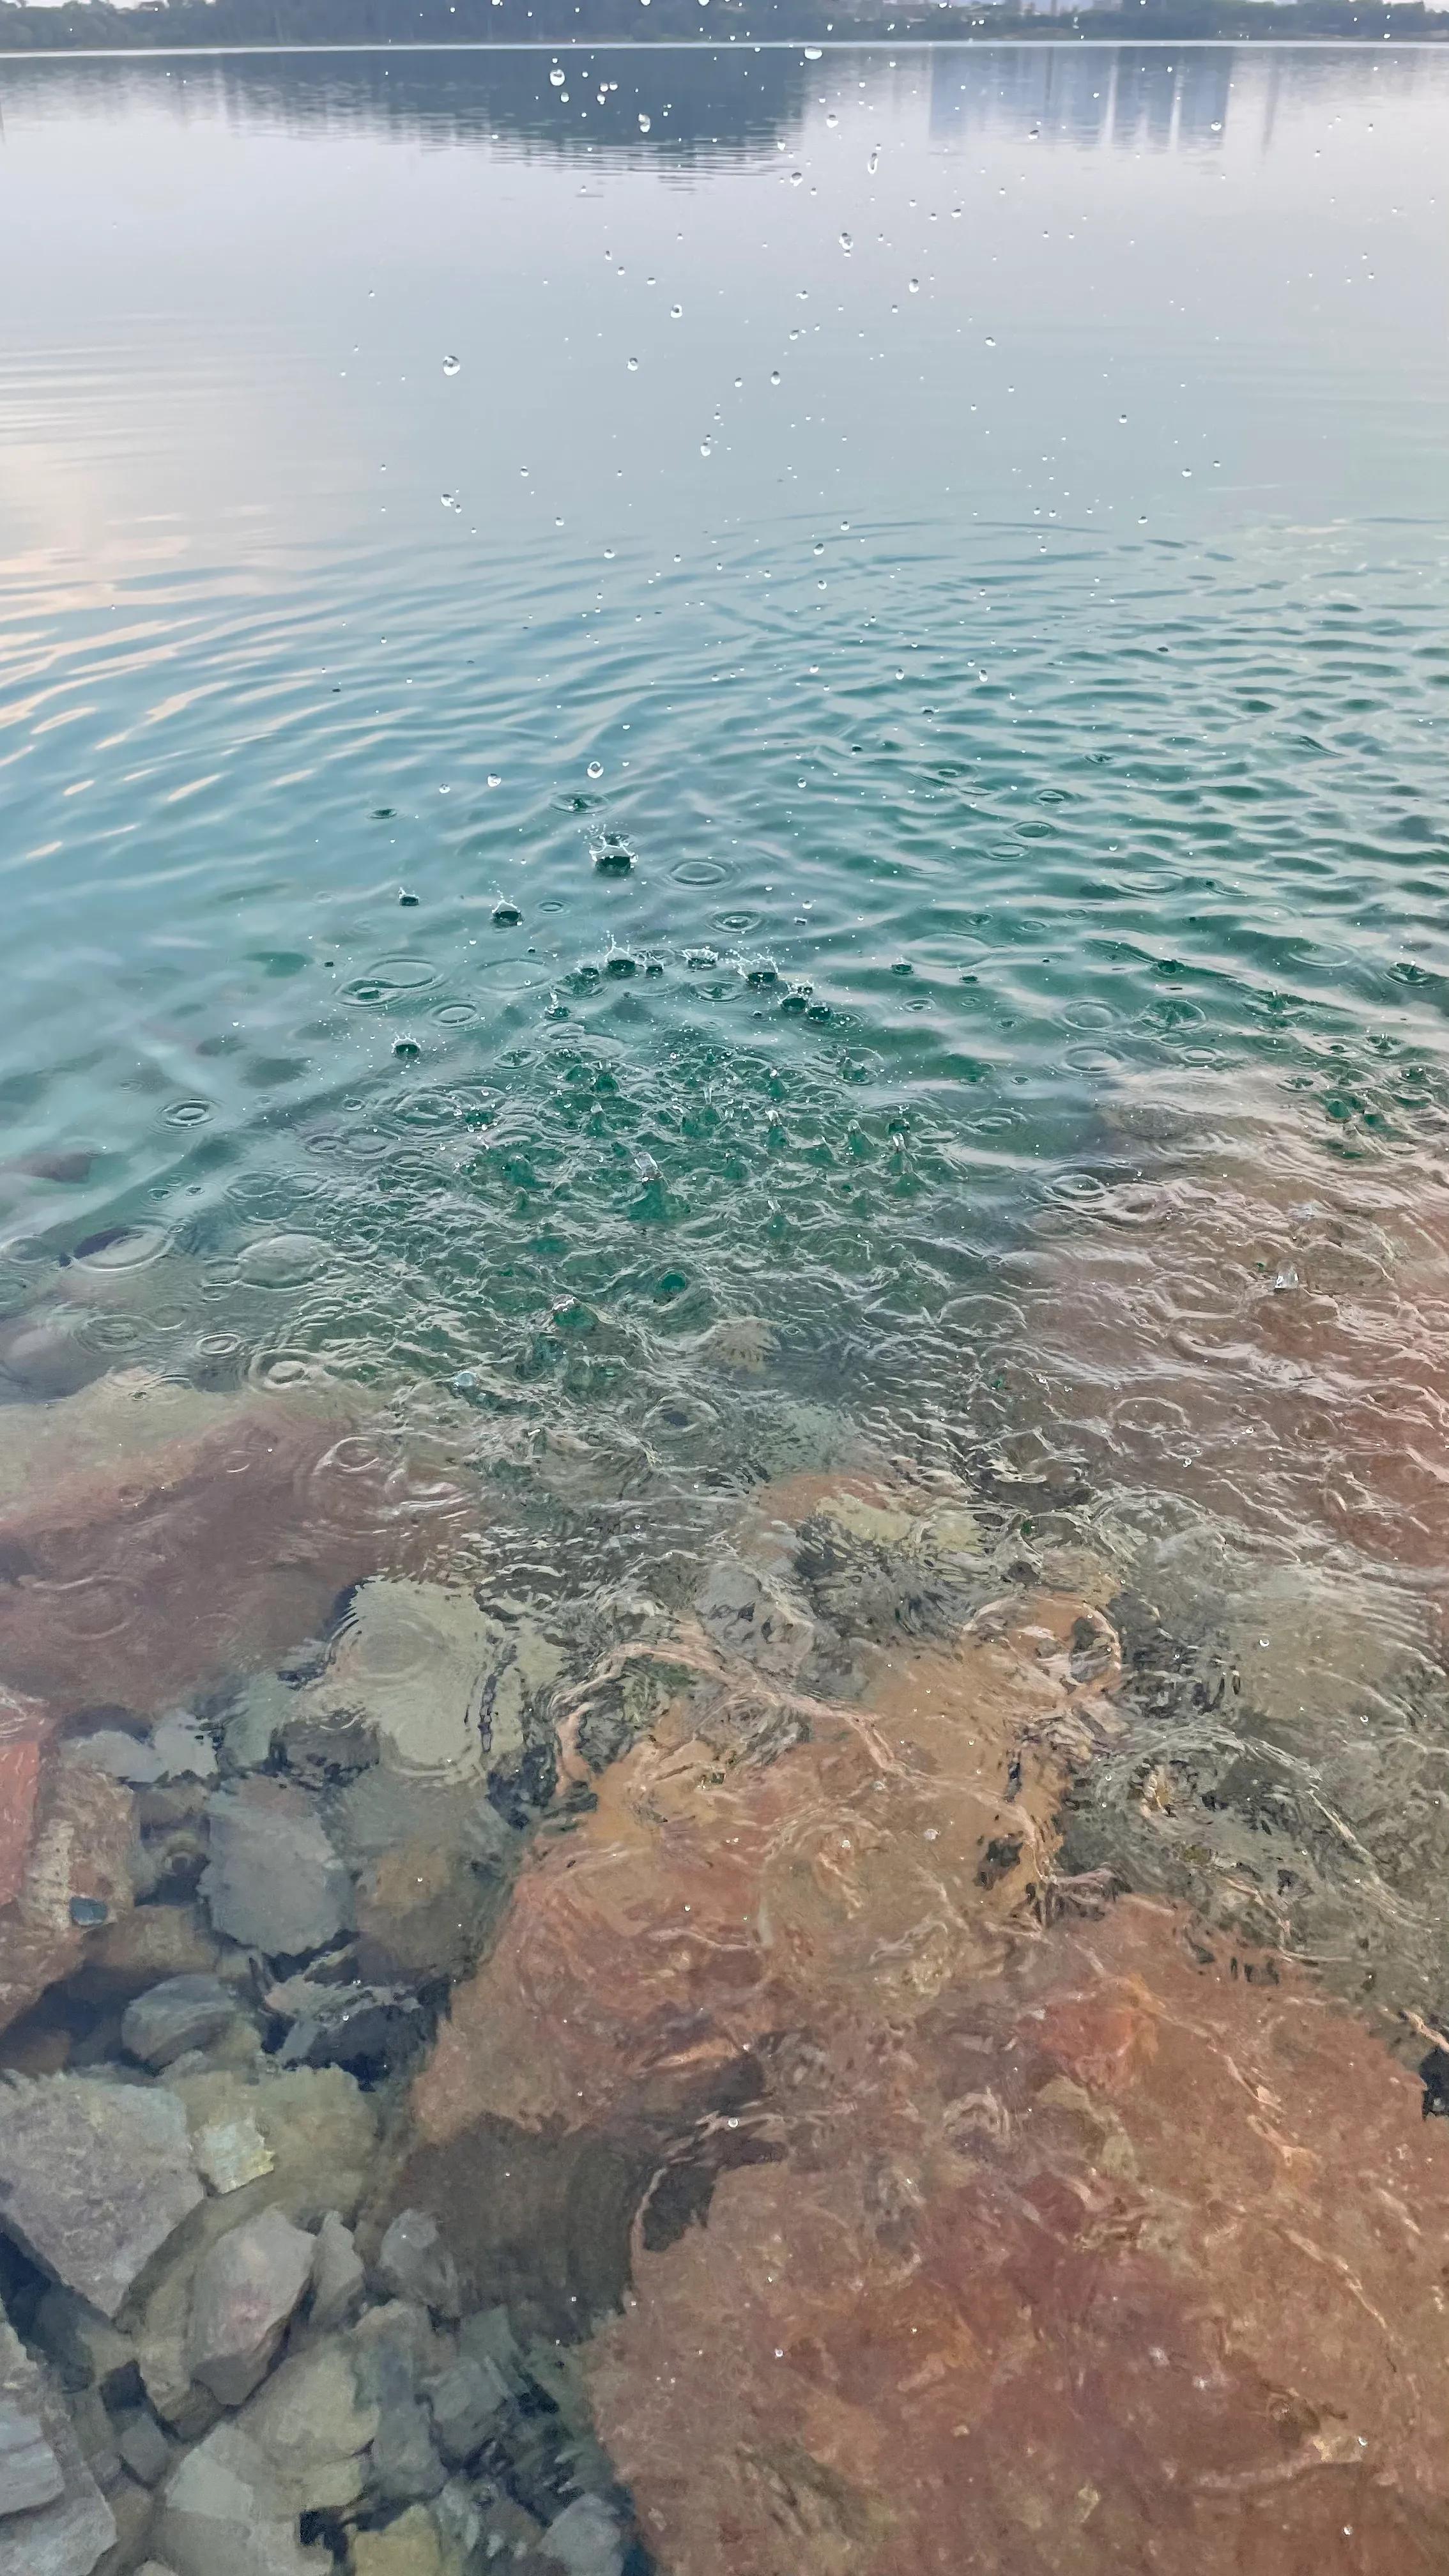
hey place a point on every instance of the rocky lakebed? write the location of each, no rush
(862, 2046)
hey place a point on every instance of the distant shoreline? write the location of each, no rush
(1051, 34)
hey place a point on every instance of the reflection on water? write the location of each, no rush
(722, 1250)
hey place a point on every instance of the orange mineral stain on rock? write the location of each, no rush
(761, 1862)
(1117, 2262)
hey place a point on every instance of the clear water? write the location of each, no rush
(716, 765)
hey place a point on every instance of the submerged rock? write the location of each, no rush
(370, 2028)
(244, 2295)
(311, 2423)
(94, 2177)
(411, 2546)
(195, 1536)
(439, 1689)
(339, 2274)
(274, 1881)
(1126, 2258)
(54, 2521)
(181, 2013)
(75, 1875)
(226, 2512)
(414, 2263)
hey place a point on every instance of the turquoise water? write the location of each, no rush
(961, 537)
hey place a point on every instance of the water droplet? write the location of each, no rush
(704, 447)
(990, 343)
(608, 554)
(795, 178)
(814, 53)
(596, 769)
(873, 164)
(507, 916)
(774, 375)
(915, 286)
(493, 778)
(633, 366)
(643, 124)
(846, 242)
(452, 501)
(675, 311)
(451, 366)
(832, 118)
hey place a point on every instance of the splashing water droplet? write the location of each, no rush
(915, 286)
(705, 448)
(596, 769)
(832, 118)
(493, 778)
(845, 242)
(675, 311)
(556, 77)
(795, 178)
(774, 375)
(643, 124)
(633, 366)
(451, 366)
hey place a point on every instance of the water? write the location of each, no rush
(732, 767)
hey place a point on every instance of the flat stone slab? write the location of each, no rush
(273, 1881)
(66, 2524)
(180, 2013)
(93, 2178)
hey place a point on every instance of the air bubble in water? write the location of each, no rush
(451, 366)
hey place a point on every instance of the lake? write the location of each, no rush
(726, 865)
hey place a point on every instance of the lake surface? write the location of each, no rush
(720, 766)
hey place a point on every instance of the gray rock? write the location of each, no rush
(145, 2450)
(312, 2423)
(179, 2014)
(93, 2178)
(63, 2531)
(30, 2473)
(243, 2295)
(183, 1747)
(347, 2025)
(225, 2512)
(121, 1756)
(487, 2336)
(466, 2403)
(414, 2263)
(748, 1614)
(259, 1711)
(406, 2467)
(273, 1881)
(338, 2274)
(585, 2539)
(405, 2328)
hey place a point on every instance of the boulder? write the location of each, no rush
(145, 2450)
(243, 2297)
(414, 2263)
(141, 1948)
(84, 2349)
(466, 2404)
(339, 2275)
(273, 1882)
(195, 1536)
(225, 2512)
(77, 1827)
(180, 2013)
(94, 2177)
(54, 2521)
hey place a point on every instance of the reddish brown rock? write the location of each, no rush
(78, 1863)
(761, 1862)
(25, 1730)
(156, 1565)
(1120, 2262)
